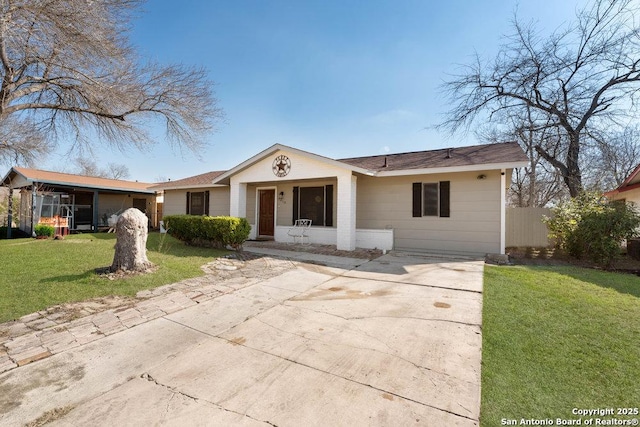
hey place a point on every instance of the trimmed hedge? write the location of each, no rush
(217, 231)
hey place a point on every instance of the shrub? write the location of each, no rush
(43, 230)
(219, 231)
(16, 233)
(593, 227)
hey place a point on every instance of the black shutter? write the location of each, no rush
(417, 199)
(295, 204)
(328, 205)
(187, 211)
(206, 203)
(445, 190)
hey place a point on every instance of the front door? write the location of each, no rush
(266, 211)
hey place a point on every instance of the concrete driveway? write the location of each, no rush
(394, 341)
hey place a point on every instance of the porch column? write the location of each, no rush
(503, 213)
(346, 223)
(95, 211)
(238, 199)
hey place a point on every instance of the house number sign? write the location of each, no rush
(281, 166)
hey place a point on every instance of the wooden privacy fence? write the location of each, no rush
(524, 227)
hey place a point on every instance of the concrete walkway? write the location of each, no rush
(393, 341)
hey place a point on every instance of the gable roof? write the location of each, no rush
(202, 180)
(506, 155)
(498, 154)
(30, 176)
(224, 178)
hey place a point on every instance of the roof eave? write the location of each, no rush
(5, 179)
(186, 187)
(91, 187)
(453, 169)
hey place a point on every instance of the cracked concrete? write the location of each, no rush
(393, 341)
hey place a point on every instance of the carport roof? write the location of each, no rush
(28, 176)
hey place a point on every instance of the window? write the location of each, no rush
(431, 199)
(49, 205)
(198, 203)
(314, 203)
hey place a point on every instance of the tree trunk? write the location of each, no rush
(131, 245)
(573, 177)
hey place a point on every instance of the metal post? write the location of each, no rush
(10, 213)
(95, 211)
(34, 191)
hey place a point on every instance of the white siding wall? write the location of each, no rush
(474, 225)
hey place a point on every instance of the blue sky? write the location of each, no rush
(337, 78)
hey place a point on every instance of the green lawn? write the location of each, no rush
(36, 274)
(558, 338)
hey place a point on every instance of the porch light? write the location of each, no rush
(281, 195)
(482, 176)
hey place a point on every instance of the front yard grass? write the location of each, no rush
(36, 274)
(558, 338)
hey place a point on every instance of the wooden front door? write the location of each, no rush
(266, 211)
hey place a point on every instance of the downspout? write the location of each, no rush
(503, 215)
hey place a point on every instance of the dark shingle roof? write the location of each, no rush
(197, 180)
(446, 157)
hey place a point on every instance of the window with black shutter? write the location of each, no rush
(198, 203)
(431, 199)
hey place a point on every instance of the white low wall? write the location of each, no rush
(317, 235)
(374, 239)
(365, 238)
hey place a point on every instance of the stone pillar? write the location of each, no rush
(131, 244)
(346, 221)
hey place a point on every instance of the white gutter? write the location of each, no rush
(452, 169)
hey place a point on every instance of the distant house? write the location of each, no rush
(629, 190)
(76, 202)
(448, 200)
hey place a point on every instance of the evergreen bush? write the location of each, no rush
(43, 230)
(218, 231)
(592, 226)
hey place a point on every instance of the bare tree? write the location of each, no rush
(67, 68)
(538, 184)
(616, 156)
(88, 167)
(580, 78)
(117, 171)
(20, 143)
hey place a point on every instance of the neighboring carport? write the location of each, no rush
(74, 202)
